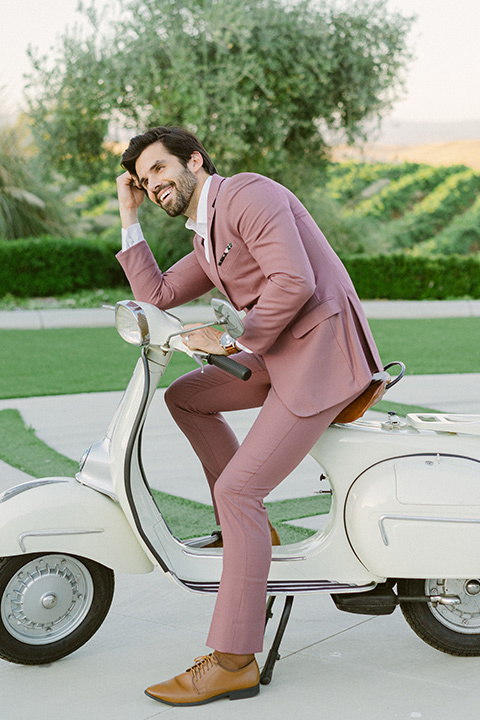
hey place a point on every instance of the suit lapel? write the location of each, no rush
(212, 198)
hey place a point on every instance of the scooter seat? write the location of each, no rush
(369, 397)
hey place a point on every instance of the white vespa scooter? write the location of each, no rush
(403, 529)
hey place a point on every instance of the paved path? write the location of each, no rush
(101, 317)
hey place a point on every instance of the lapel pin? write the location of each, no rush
(227, 250)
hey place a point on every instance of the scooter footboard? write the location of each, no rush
(417, 516)
(58, 514)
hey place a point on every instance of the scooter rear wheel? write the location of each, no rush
(453, 629)
(50, 605)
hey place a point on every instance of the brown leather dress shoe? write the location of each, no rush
(219, 541)
(206, 681)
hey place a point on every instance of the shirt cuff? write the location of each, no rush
(131, 236)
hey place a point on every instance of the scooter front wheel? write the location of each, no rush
(452, 628)
(50, 605)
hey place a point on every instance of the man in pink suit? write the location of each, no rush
(306, 341)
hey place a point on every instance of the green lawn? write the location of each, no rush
(433, 346)
(57, 362)
(71, 360)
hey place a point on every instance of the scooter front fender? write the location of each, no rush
(58, 514)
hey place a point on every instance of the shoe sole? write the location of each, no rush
(233, 695)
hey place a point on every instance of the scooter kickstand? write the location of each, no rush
(273, 655)
(269, 612)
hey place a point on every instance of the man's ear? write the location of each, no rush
(195, 162)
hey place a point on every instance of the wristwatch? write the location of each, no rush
(228, 343)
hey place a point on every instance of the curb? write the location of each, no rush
(103, 317)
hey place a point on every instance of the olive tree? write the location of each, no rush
(259, 81)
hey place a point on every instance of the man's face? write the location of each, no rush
(167, 182)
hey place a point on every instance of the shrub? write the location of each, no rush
(48, 266)
(28, 205)
(346, 234)
(403, 276)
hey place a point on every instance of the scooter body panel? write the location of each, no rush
(58, 514)
(417, 516)
(412, 498)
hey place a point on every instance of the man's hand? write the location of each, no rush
(206, 340)
(130, 197)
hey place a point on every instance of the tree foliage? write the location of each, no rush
(259, 81)
(28, 206)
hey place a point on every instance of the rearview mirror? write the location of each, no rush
(228, 317)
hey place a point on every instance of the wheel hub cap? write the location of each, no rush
(47, 599)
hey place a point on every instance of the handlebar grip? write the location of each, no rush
(231, 366)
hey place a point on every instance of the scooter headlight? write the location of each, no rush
(132, 323)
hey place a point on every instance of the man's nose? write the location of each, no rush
(153, 184)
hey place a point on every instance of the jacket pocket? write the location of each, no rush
(313, 317)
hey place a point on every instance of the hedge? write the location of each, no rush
(406, 277)
(38, 267)
(46, 266)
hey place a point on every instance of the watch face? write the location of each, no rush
(226, 340)
(228, 343)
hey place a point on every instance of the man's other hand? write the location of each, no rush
(130, 197)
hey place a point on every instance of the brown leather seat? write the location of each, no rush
(373, 394)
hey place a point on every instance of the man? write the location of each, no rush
(306, 341)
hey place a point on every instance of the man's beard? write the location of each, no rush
(184, 188)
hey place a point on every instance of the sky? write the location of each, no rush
(442, 85)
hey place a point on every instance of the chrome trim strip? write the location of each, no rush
(52, 533)
(383, 533)
(29, 485)
(285, 558)
(286, 587)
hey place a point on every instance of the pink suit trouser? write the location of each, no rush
(240, 477)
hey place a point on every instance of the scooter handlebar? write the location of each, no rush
(231, 366)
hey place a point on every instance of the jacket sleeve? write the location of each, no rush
(266, 224)
(182, 283)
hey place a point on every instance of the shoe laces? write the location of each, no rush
(202, 665)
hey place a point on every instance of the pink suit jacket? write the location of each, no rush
(269, 258)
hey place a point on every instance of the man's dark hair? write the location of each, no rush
(177, 141)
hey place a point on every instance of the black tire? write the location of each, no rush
(50, 605)
(453, 629)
